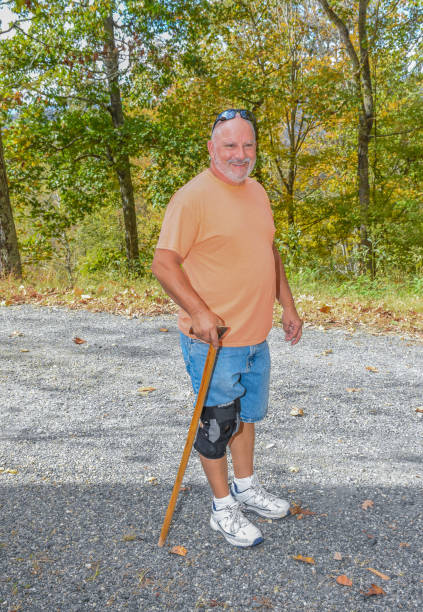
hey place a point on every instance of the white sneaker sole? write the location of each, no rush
(262, 512)
(232, 539)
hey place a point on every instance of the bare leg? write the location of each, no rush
(242, 450)
(216, 471)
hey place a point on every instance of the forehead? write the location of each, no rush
(233, 129)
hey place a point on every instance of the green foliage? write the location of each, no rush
(181, 62)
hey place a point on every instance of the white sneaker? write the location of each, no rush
(234, 526)
(258, 500)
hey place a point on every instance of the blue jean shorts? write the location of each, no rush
(240, 371)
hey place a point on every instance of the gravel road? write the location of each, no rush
(88, 463)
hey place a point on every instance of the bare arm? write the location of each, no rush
(167, 269)
(291, 322)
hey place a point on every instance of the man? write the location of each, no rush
(216, 259)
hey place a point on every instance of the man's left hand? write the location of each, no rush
(292, 325)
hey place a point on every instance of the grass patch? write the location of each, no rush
(380, 306)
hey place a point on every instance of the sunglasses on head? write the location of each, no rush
(231, 113)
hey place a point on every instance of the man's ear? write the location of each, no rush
(210, 147)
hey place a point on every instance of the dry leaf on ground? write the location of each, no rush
(129, 537)
(78, 340)
(309, 560)
(419, 409)
(337, 556)
(179, 550)
(325, 308)
(152, 480)
(375, 571)
(344, 580)
(8, 471)
(163, 329)
(374, 590)
(353, 389)
(16, 334)
(371, 369)
(368, 503)
(146, 390)
(296, 411)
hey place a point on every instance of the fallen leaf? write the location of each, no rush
(374, 590)
(8, 471)
(24, 350)
(325, 308)
(179, 550)
(368, 503)
(309, 560)
(404, 544)
(294, 469)
(270, 445)
(375, 571)
(163, 329)
(337, 556)
(295, 509)
(129, 537)
(263, 603)
(152, 480)
(297, 411)
(344, 580)
(78, 340)
(16, 334)
(146, 390)
(353, 389)
(419, 409)
(372, 369)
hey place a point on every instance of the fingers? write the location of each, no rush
(204, 327)
(293, 331)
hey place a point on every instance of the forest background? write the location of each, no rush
(105, 110)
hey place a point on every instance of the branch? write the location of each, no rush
(88, 155)
(417, 129)
(344, 33)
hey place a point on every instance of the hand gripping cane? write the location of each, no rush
(199, 404)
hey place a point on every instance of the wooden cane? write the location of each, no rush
(198, 408)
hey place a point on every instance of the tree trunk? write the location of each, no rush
(122, 164)
(361, 67)
(10, 261)
(364, 193)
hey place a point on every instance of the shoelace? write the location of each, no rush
(236, 518)
(261, 494)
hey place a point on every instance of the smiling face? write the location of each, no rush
(232, 150)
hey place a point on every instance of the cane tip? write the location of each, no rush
(160, 542)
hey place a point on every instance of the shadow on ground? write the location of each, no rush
(86, 547)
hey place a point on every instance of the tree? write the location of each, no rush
(10, 261)
(75, 68)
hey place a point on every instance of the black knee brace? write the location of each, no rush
(220, 423)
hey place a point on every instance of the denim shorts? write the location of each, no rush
(240, 371)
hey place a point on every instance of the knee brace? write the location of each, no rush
(220, 423)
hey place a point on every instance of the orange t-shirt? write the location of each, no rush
(224, 233)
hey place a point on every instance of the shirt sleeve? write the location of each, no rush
(180, 226)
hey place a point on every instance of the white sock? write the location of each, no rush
(243, 483)
(221, 502)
